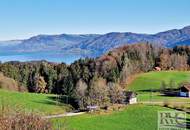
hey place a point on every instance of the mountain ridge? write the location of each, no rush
(97, 44)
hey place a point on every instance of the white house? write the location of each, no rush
(92, 108)
(131, 97)
(157, 69)
(185, 90)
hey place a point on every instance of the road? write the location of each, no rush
(64, 115)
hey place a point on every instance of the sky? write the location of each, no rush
(20, 19)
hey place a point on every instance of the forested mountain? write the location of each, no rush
(46, 43)
(97, 44)
(108, 41)
(8, 45)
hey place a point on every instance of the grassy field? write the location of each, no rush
(156, 96)
(42, 103)
(134, 117)
(153, 80)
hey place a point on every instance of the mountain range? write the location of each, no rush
(95, 44)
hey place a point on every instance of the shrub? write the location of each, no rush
(98, 93)
(18, 120)
(24, 121)
(166, 103)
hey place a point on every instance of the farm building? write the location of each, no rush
(157, 69)
(131, 97)
(92, 108)
(185, 90)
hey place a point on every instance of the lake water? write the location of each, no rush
(36, 56)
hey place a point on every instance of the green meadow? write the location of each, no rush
(146, 83)
(134, 117)
(41, 103)
(153, 80)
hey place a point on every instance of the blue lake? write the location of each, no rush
(36, 56)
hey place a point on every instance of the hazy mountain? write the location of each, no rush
(96, 44)
(108, 41)
(50, 42)
(6, 46)
(172, 37)
(10, 43)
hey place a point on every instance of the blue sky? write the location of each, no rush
(24, 18)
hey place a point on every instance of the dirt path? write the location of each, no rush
(64, 115)
(162, 102)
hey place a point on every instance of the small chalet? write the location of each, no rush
(131, 97)
(157, 69)
(92, 108)
(185, 90)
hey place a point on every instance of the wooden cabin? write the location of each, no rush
(185, 90)
(157, 69)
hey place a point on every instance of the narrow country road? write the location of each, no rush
(64, 115)
(161, 102)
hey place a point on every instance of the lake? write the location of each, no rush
(57, 57)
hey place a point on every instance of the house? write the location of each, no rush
(92, 108)
(131, 97)
(185, 90)
(157, 69)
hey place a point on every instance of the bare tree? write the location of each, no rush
(80, 93)
(98, 93)
(116, 93)
(40, 84)
(179, 62)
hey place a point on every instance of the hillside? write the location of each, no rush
(97, 44)
(149, 88)
(8, 83)
(41, 103)
(153, 80)
(134, 117)
(140, 113)
(121, 120)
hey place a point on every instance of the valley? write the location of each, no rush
(94, 65)
(124, 119)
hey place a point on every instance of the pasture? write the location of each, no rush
(41, 103)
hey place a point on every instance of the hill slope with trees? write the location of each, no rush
(82, 81)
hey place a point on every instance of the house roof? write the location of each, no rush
(130, 94)
(187, 86)
(157, 68)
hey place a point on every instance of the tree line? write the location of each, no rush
(98, 81)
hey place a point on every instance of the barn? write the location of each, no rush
(185, 90)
